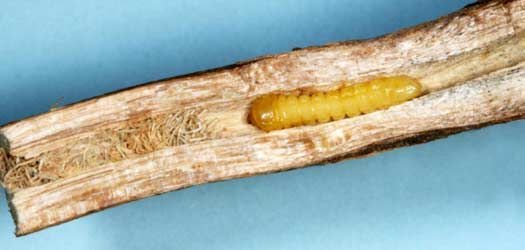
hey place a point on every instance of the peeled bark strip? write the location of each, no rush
(471, 62)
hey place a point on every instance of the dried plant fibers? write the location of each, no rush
(109, 145)
(154, 138)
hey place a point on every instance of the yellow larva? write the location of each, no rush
(273, 111)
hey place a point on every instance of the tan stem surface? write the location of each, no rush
(495, 98)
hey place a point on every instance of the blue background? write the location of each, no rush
(464, 192)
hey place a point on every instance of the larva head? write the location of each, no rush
(263, 115)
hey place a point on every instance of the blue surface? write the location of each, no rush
(465, 192)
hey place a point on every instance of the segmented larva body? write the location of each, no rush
(279, 111)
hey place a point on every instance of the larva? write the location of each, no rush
(279, 111)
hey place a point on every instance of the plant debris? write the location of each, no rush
(110, 145)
